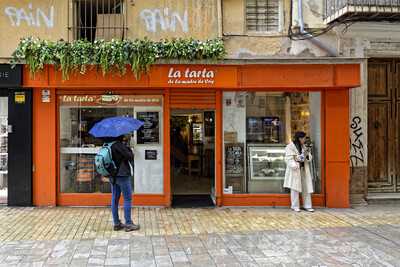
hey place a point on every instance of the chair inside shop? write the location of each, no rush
(192, 158)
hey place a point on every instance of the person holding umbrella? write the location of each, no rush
(112, 131)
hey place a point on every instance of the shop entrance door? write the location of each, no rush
(383, 126)
(3, 148)
(193, 158)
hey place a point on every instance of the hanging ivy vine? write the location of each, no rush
(111, 56)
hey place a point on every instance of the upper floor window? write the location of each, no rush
(98, 19)
(263, 15)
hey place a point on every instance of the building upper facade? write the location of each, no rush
(249, 28)
(105, 19)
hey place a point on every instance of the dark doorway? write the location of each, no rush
(20, 147)
(192, 158)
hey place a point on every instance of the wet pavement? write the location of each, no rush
(362, 236)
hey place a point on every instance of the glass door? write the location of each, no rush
(3, 149)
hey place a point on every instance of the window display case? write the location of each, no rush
(266, 162)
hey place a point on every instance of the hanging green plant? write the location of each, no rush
(111, 56)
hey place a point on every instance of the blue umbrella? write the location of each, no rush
(115, 126)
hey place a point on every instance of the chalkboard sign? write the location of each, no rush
(149, 133)
(150, 154)
(234, 166)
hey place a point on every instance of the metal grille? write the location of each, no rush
(97, 19)
(262, 15)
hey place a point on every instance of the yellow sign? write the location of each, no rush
(19, 98)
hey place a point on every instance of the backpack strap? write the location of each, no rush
(108, 146)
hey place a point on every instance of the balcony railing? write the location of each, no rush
(361, 10)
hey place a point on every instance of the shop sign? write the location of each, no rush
(19, 97)
(10, 77)
(110, 100)
(191, 76)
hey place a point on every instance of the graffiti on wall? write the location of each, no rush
(164, 19)
(33, 17)
(357, 149)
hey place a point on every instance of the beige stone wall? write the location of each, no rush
(158, 19)
(155, 19)
(243, 44)
(22, 18)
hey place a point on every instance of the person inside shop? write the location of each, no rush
(298, 175)
(180, 150)
(123, 158)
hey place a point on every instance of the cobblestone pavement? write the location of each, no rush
(363, 236)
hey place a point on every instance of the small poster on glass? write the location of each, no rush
(271, 127)
(149, 133)
(266, 162)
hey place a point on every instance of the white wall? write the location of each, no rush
(3, 106)
(149, 176)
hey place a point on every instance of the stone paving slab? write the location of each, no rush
(365, 236)
(64, 223)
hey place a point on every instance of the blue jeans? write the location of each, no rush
(122, 184)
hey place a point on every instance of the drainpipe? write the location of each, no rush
(330, 51)
(220, 19)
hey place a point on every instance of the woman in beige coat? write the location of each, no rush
(298, 175)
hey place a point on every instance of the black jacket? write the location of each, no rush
(122, 156)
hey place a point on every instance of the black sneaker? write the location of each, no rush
(131, 227)
(119, 226)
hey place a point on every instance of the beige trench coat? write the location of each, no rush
(293, 173)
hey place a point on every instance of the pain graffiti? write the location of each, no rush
(164, 19)
(357, 149)
(31, 16)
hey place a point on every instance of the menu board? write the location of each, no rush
(234, 160)
(149, 133)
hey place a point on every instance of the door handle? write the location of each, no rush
(377, 125)
(9, 129)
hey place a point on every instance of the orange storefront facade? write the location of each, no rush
(239, 116)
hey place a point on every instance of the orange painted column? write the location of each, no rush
(167, 148)
(44, 150)
(218, 148)
(337, 148)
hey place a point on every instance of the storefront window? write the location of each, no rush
(257, 127)
(78, 114)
